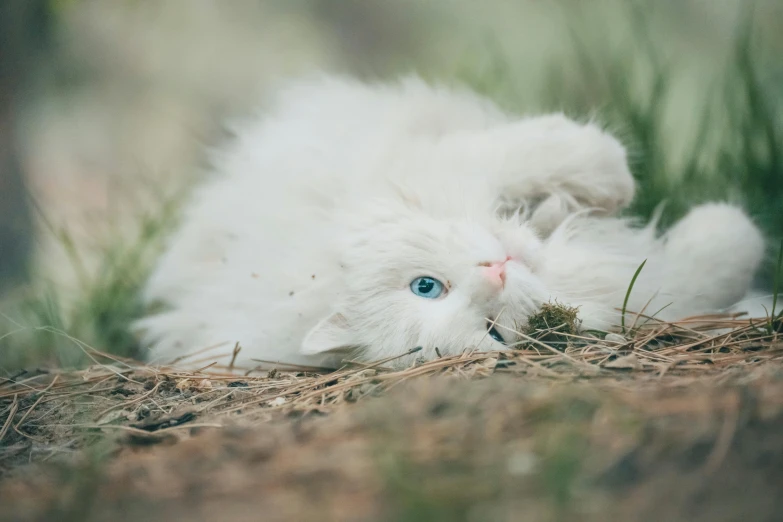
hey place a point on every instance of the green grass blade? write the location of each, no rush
(776, 287)
(628, 293)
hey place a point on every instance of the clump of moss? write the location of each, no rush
(553, 323)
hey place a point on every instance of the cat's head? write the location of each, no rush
(410, 280)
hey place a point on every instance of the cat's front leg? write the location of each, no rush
(555, 166)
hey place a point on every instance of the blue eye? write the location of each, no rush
(427, 287)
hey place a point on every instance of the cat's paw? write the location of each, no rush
(547, 215)
(580, 164)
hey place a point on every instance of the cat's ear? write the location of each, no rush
(332, 334)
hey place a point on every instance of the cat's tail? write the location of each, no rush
(711, 257)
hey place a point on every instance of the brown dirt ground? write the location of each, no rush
(672, 425)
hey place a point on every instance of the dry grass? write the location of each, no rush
(42, 411)
(671, 421)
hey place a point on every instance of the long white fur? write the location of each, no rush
(303, 244)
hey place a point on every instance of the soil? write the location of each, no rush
(490, 445)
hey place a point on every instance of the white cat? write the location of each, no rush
(361, 221)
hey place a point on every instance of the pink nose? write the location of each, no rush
(495, 272)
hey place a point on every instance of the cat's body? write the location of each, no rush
(324, 215)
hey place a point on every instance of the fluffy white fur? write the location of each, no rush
(319, 215)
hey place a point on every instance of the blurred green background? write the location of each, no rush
(115, 101)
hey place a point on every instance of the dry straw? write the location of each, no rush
(124, 396)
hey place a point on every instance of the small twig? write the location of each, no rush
(393, 357)
(376, 364)
(290, 367)
(640, 312)
(213, 402)
(12, 379)
(193, 354)
(9, 420)
(84, 347)
(210, 365)
(40, 398)
(237, 349)
(547, 347)
(124, 404)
